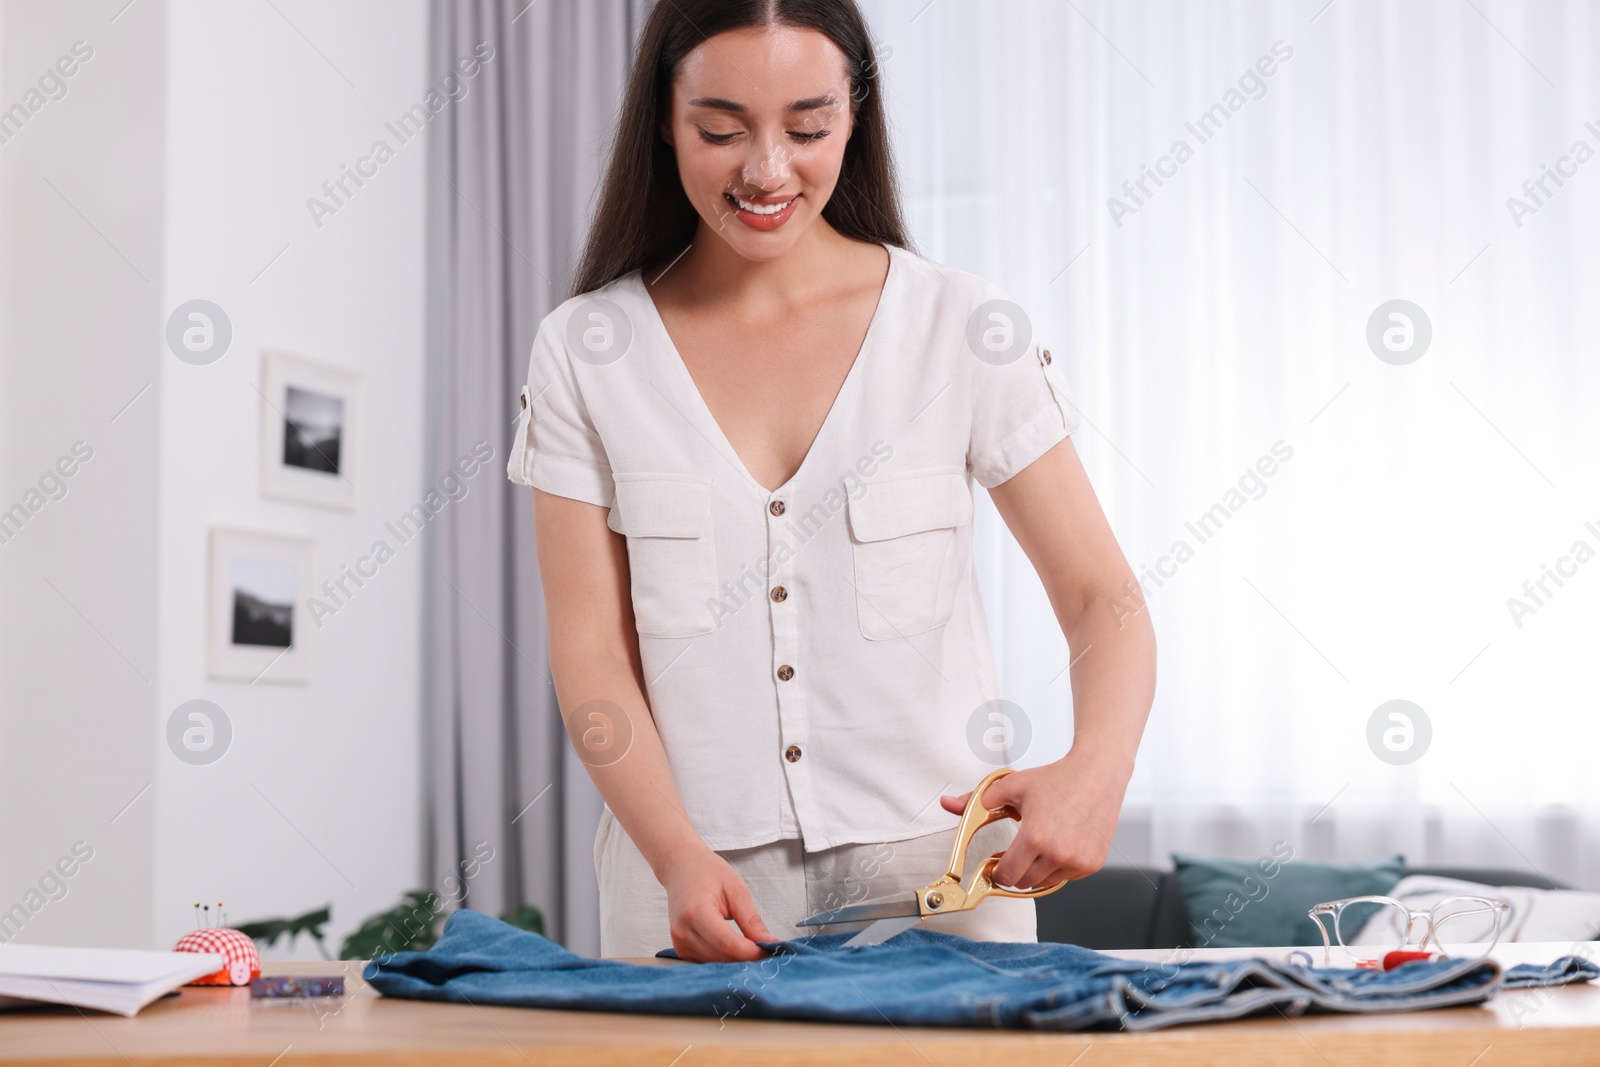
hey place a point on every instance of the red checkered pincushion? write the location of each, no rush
(243, 961)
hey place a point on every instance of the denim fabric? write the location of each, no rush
(925, 978)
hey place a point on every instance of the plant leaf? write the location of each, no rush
(407, 927)
(525, 917)
(267, 931)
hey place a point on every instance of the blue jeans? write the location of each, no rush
(926, 978)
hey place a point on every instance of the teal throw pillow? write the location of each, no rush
(1239, 903)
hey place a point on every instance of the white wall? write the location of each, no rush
(80, 306)
(191, 141)
(317, 800)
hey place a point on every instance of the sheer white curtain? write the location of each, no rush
(1223, 312)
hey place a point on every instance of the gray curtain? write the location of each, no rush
(513, 170)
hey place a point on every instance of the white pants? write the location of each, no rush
(789, 883)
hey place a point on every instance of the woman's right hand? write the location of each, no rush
(703, 893)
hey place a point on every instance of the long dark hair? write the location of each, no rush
(630, 231)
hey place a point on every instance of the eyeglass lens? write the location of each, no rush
(1374, 926)
(1464, 926)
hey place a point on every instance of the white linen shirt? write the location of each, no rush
(812, 655)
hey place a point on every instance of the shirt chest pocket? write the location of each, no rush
(904, 536)
(672, 558)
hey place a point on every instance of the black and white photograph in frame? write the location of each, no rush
(310, 439)
(259, 627)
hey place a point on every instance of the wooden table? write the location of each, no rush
(224, 1027)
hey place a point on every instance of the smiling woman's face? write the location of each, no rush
(759, 121)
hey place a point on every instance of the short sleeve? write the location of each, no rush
(556, 447)
(1020, 410)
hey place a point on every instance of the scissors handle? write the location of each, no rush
(973, 819)
(949, 893)
(983, 884)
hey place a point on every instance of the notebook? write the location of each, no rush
(120, 980)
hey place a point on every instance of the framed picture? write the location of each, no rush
(259, 626)
(310, 430)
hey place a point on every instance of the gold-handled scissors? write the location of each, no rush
(947, 893)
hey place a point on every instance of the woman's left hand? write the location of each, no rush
(1068, 812)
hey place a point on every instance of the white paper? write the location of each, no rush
(120, 980)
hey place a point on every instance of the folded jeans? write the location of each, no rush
(926, 978)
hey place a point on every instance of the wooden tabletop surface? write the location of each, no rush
(223, 1026)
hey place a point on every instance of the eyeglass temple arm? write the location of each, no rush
(1315, 915)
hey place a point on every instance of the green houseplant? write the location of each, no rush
(410, 926)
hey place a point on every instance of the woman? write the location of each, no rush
(752, 434)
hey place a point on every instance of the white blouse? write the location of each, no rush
(813, 655)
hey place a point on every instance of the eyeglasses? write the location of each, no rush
(1463, 927)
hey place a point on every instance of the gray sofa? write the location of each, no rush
(1142, 907)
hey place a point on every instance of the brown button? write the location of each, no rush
(776, 507)
(1047, 356)
(792, 753)
(780, 593)
(524, 398)
(785, 672)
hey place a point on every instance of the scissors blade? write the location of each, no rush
(883, 930)
(877, 908)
